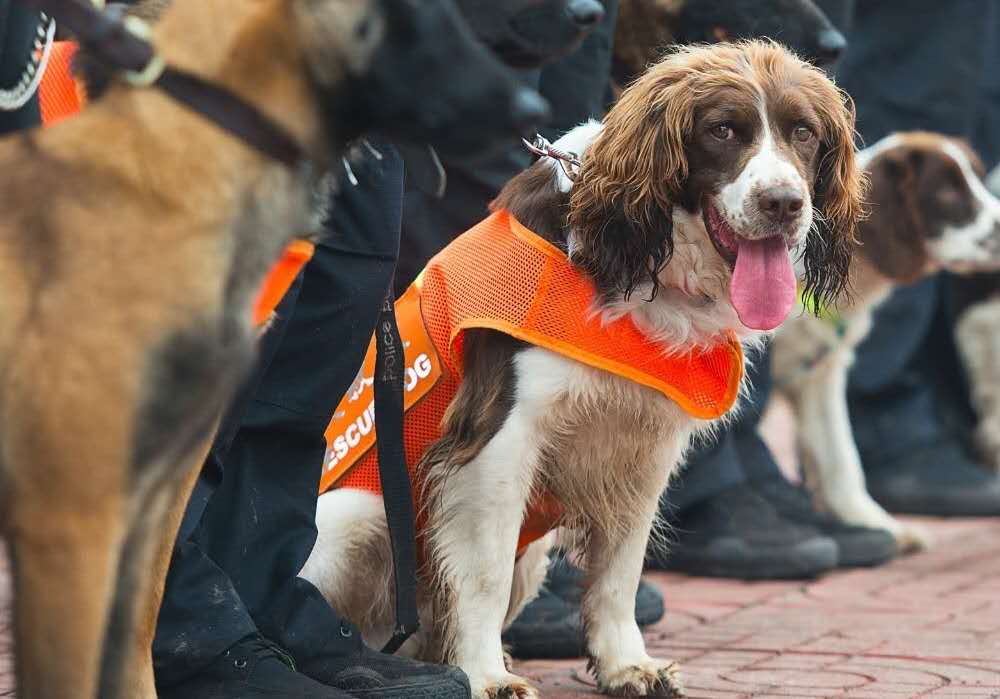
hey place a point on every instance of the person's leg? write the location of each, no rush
(259, 527)
(189, 633)
(721, 526)
(238, 570)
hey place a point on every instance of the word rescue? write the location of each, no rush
(352, 436)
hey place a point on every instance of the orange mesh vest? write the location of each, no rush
(500, 275)
(60, 96)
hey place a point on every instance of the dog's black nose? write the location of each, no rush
(585, 13)
(528, 110)
(830, 45)
(780, 204)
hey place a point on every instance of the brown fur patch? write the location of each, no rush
(535, 201)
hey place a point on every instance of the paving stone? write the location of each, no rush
(927, 626)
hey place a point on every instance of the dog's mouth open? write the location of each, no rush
(763, 286)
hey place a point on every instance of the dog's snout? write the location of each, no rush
(780, 204)
(586, 13)
(528, 110)
(830, 45)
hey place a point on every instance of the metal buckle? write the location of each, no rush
(154, 69)
(568, 161)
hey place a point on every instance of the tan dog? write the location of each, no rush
(134, 238)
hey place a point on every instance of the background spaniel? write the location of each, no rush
(929, 210)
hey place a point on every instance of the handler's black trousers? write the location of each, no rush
(249, 529)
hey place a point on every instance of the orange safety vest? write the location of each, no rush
(60, 95)
(529, 290)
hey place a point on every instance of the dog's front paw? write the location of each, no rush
(911, 538)
(509, 686)
(653, 678)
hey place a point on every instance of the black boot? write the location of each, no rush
(251, 669)
(856, 546)
(738, 534)
(551, 627)
(939, 480)
(372, 675)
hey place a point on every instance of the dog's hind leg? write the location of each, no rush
(614, 560)
(529, 574)
(351, 563)
(64, 550)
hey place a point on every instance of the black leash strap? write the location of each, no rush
(397, 492)
(231, 113)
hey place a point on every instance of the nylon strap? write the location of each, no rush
(397, 492)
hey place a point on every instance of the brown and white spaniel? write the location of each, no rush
(929, 210)
(712, 173)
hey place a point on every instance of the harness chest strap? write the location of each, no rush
(530, 291)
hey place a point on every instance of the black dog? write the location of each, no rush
(530, 33)
(646, 27)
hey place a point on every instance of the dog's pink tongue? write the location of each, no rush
(763, 285)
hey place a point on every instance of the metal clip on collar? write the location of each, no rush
(568, 161)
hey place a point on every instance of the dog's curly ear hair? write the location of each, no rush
(894, 236)
(838, 200)
(620, 206)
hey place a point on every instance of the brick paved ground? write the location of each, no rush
(926, 626)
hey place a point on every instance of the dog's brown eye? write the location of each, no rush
(723, 132)
(802, 134)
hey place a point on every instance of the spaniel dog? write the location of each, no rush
(929, 211)
(715, 169)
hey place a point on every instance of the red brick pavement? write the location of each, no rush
(925, 626)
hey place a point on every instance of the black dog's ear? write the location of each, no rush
(893, 238)
(838, 200)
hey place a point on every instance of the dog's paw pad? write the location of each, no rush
(651, 679)
(509, 687)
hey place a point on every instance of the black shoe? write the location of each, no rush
(856, 546)
(738, 534)
(368, 674)
(253, 668)
(550, 627)
(939, 480)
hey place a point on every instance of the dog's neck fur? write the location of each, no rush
(691, 308)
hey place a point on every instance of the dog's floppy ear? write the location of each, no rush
(838, 199)
(893, 237)
(620, 210)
